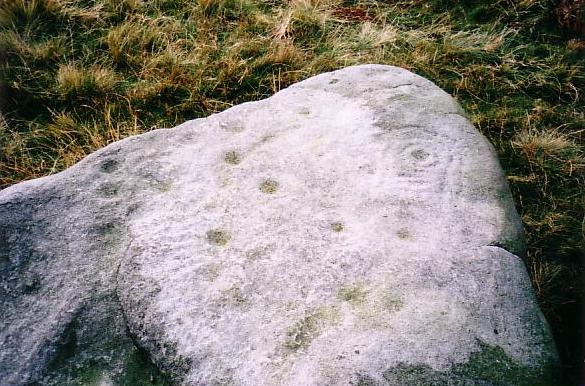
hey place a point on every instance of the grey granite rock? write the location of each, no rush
(353, 229)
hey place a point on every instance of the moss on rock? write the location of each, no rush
(488, 366)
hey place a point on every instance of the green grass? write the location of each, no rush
(76, 75)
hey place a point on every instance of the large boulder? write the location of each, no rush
(353, 229)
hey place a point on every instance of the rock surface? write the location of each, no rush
(353, 229)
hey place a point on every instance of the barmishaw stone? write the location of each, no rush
(353, 229)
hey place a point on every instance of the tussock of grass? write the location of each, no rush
(538, 147)
(24, 14)
(76, 75)
(302, 20)
(372, 35)
(225, 9)
(78, 82)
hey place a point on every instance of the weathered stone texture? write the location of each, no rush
(353, 229)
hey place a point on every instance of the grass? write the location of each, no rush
(76, 75)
